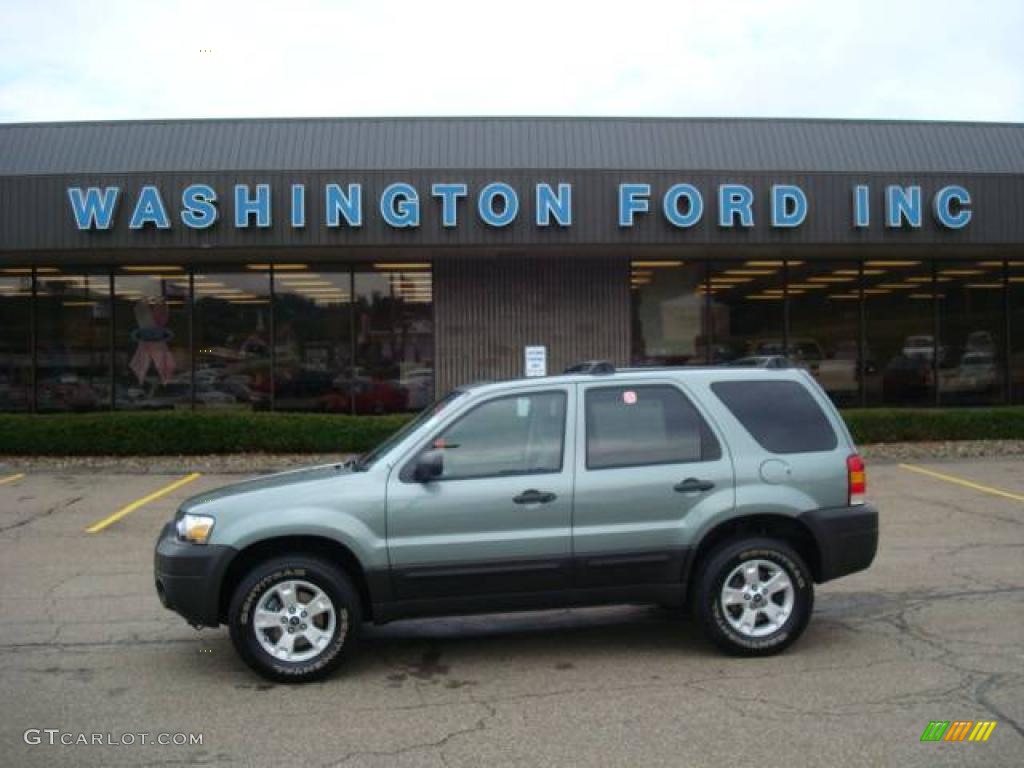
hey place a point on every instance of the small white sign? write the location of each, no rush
(536, 361)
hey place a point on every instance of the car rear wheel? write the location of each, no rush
(294, 618)
(755, 596)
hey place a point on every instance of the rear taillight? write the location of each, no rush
(858, 479)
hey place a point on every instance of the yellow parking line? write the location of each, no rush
(11, 478)
(124, 511)
(965, 483)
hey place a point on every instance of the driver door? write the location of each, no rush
(498, 519)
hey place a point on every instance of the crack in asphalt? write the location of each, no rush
(41, 514)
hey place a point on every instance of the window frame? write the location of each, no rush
(705, 427)
(406, 473)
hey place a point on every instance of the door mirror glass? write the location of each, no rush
(429, 466)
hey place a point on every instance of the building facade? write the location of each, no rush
(368, 265)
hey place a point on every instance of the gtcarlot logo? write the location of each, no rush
(958, 730)
(56, 737)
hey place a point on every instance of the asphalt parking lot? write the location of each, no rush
(934, 631)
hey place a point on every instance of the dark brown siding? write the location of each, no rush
(487, 308)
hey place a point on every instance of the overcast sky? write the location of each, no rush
(92, 59)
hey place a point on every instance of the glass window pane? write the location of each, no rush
(73, 340)
(794, 423)
(900, 342)
(1016, 288)
(518, 435)
(630, 426)
(971, 332)
(313, 326)
(668, 313)
(394, 329)
(747, 304)
(824, 324)
(15, 339)
(152, 359)
(232, 333)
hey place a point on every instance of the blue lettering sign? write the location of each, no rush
(902, 204)
(861, 206)
(632, 200)
(94, 209)
(556, 204)
(950, 207)
(347, 205)
(197, 206)
(246, 206)
(449, 194)
(735, 200)
(149, 209)
(400, 205)
(298, 206)
(694, 205)
(489, 212)
(789, 206)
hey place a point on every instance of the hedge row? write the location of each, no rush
(892, 425)
(183, 433)
(175, 433)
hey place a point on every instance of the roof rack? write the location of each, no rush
(593, 367)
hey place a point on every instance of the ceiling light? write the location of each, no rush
(891, 263)
(657, 264)
(401, 265)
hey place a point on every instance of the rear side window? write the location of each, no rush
(781, 416)
(655, 424)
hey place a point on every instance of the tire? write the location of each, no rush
(744, 613)
(325, 622)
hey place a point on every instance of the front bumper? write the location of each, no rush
(847, 538)
(189, 576)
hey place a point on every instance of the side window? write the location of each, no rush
(515, 435)
(654, 424)
(781, 416)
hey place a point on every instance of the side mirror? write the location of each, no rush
(429, 466)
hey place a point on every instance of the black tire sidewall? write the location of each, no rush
(709, 607)
(255, 585)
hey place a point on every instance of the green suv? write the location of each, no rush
(730, 491)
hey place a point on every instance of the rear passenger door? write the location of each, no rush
(648, 462)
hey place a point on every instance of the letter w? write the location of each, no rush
(94, 209)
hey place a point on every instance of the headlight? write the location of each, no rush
(195, 528)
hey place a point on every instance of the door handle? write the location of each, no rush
(533, 496)
(692, 484)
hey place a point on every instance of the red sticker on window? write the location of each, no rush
(629, 397)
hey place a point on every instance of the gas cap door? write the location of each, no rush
(775, 471)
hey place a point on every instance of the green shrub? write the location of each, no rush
(184, 433)
(895, 425)
(173, 433)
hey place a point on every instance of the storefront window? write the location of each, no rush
(394, 339)
(313, 329)
(232, 339)
(824, 324)
(669, 313)
(972, 331)
(900, 332)
(15, 339)
(73, 340)
(747, 302)
(1015, 270)
(152, 359)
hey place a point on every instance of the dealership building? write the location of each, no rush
(368, 265)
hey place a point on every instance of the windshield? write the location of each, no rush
(367, 460)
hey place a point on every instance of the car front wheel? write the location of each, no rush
(755, 596)
(294, 619)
